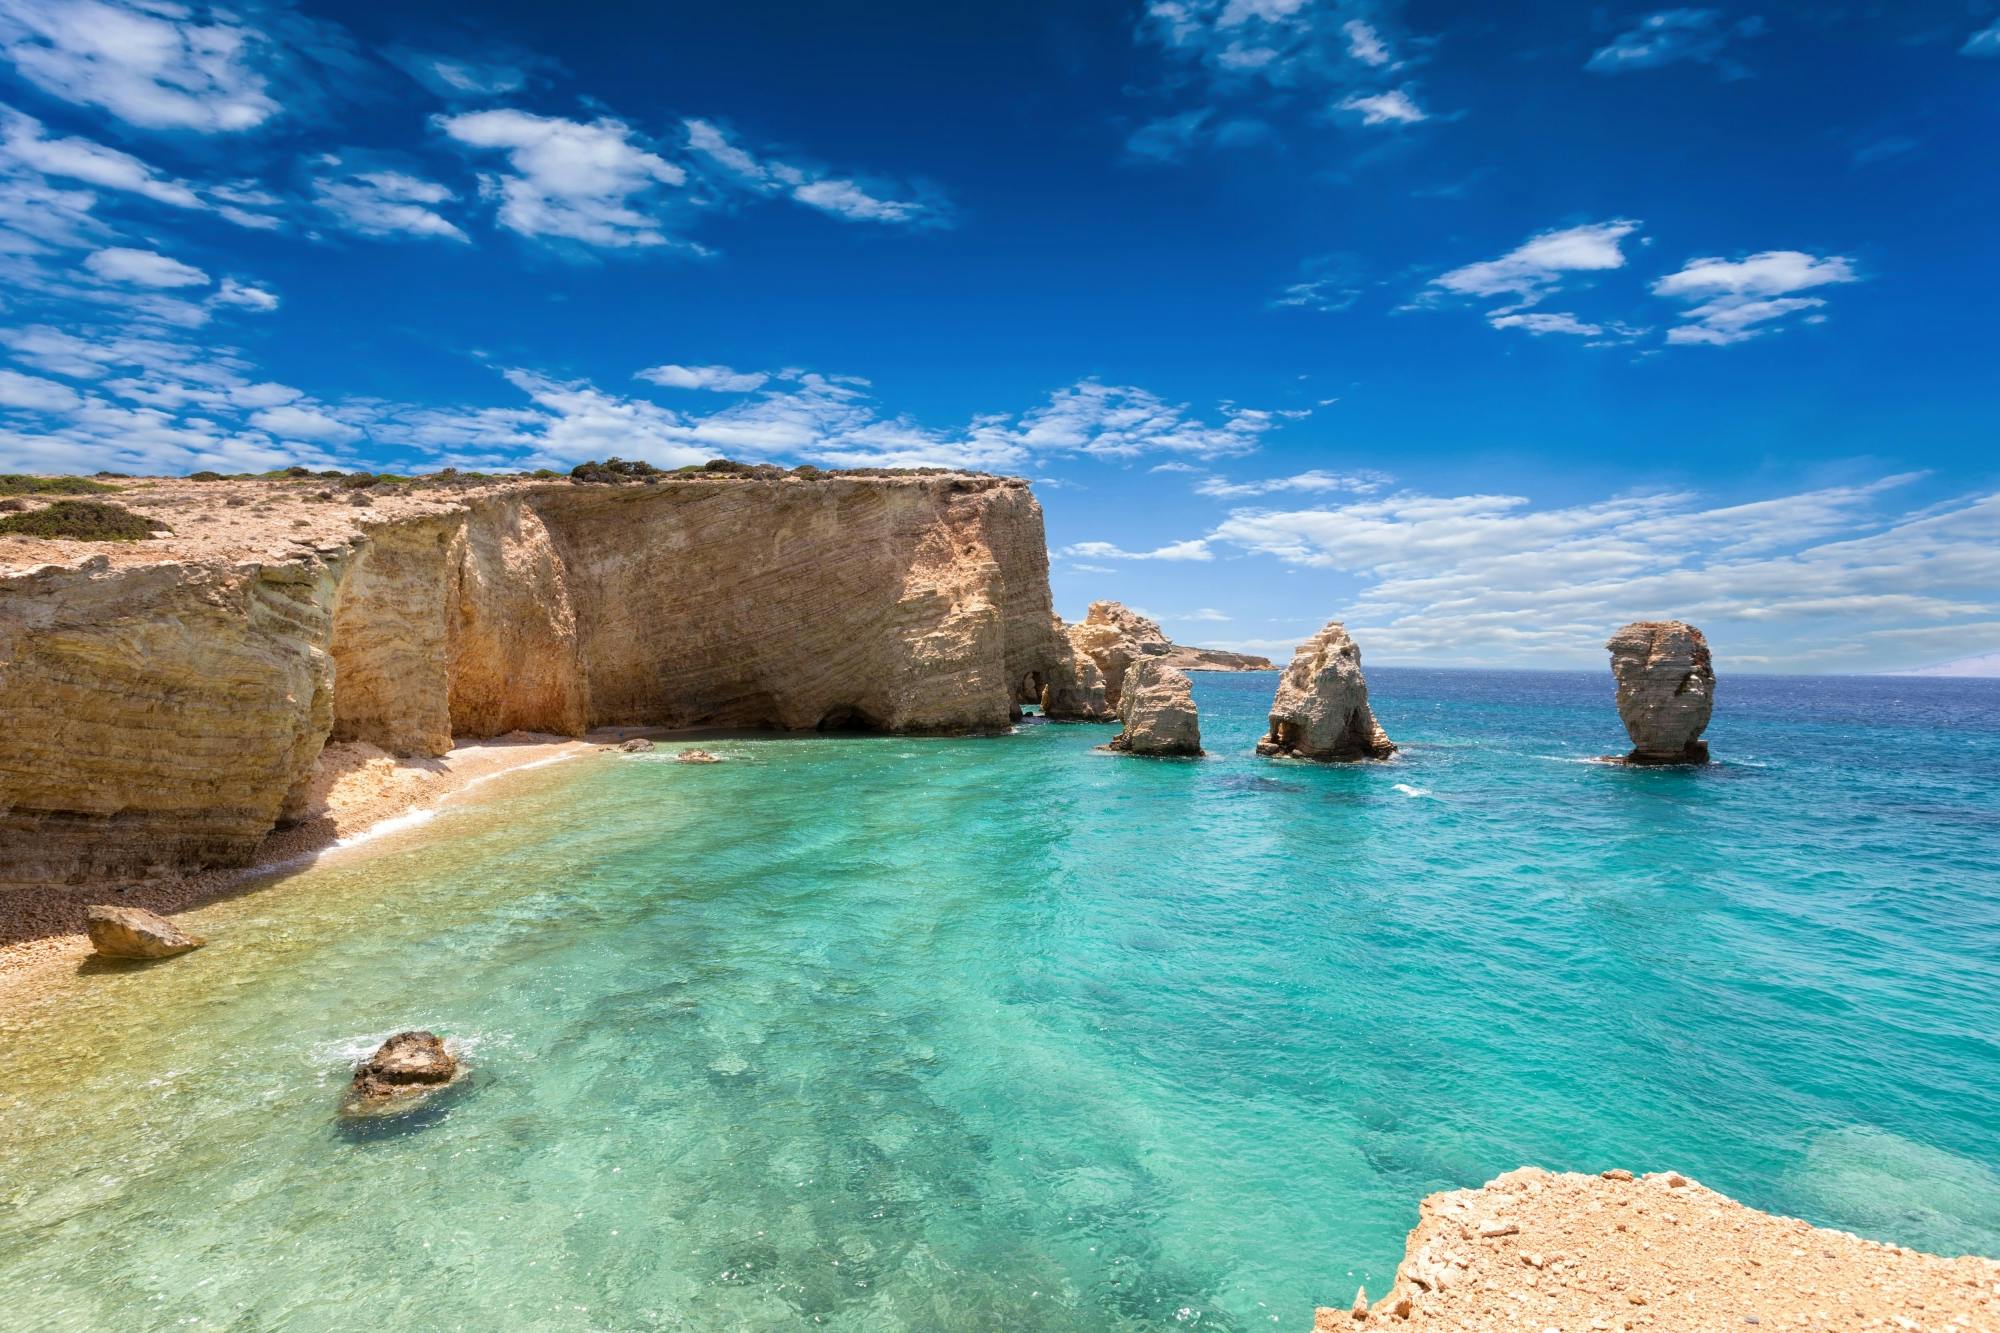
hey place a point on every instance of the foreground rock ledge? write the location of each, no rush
(1536, 1250)
(133, 932)
(1666, 690)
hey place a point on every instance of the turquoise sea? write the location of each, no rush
(887, 1033)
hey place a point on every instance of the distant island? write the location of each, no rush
(1985, 666)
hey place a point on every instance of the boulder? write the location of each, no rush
(1074, 689)
(1321, 708)
(1666, 690)
(133, 932)
(404, 1069)
(1158, 712)
(637, 745)
(695, 757)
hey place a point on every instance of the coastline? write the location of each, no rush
(359, 793)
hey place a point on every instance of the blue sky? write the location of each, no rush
(1486, 327)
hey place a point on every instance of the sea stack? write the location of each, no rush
(1158, 710)
(1074, 690)
(1114, 636)
(1666, 690)
(1321, 708)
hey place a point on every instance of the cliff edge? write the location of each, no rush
(163, 702)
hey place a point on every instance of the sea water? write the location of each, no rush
(891, 1033)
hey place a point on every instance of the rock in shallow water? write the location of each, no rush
(638, 745)
(133, 932)
(696, 757)
(1157, 706)
(1666, 690)
(404, 1069)
(1321, 707)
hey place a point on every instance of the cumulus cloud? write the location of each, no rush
(595, 183)
(1535, 268)
(246, 296)
(156, 65)
(304, 423)
(1495, 577)
(1673, 35)
(835, 195)
(143, 268)
(384, 202)
(1394, 107)
(719, 379)
(1733, 301)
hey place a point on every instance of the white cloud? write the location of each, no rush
(1734, 299)
(304, 423)
(385, 203)
(835, 195)
(1672, 35)
(1394, 107)
(1325, 294)
(1536, 267)
(154, 64)
(1364, 482)
(1205, 615)
(1365, 44)
(1985, 42)
(1196, 549)
(594, 183)
(1111, 421)
(1497, 578)
(246, 296)
(143, 268)
(720, 379)
(92, 163)
(36, 394)
(1541, 322)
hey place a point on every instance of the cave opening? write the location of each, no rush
(848, 718)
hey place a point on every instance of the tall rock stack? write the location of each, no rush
(1321, 709)
(1158, 710)
(1666, 690)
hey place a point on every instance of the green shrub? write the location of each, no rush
(84, 521)
(614, 471)
(204, 476)
(355, 481)
(16, 483)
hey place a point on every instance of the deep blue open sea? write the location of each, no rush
(887, 1033)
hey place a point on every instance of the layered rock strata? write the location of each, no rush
(1321, 708)
(1113, 637)
(162, 704)
(1666, 690)
(1158, 711)
(1074, 690)
(1538, 1250)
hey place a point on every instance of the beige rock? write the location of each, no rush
(1666, 690)
(1321, 707)
(1074, 690)
(1114, 637)
(637, 745)
(162, 707)
(696, 757)
(404, 1069)
(1661, 1248)
(133, 932)
(1158, 712)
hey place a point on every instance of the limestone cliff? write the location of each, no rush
(1321, 707)
(1114, 636)
(162, 704)
(1666, 690)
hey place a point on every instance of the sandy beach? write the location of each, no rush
(359, 790)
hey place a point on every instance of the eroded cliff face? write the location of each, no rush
(1114, 637)
(1666, 690)
(163, 714)
(1321, 707)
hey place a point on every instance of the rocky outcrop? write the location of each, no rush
(1666, 690)
(133, 932)
(1536, 1250)
(404, 1070)
(1321, 707)
(696, 757)
(1074, 690)
(1158, 712)
(162, 707)
(637, 745)
(1114, 636)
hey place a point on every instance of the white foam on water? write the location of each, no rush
(1408, 790)
(381, 828)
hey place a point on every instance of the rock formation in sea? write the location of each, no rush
(1321, 707)
(637, 745)
(1537, 1250)
(163, 703)
(1666, 690)
(1157, 708)
(696, 757)
(1074, 690)
(404, 1069)
(1114, 636)
(133, 932)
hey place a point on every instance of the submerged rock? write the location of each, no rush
(1321, 707)
(404, 1069)
(1666, 690)
(638, 745)
(1158, 711)
(696, 757)
(133, 932)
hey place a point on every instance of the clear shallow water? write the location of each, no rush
(886, 1033)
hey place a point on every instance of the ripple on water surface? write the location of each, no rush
(874, 1033)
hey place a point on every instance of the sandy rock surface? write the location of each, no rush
(1321, 708)
(1113, 637)
(1158, 711)
(133, 932)
(1666, 690)
(1534, 1250)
